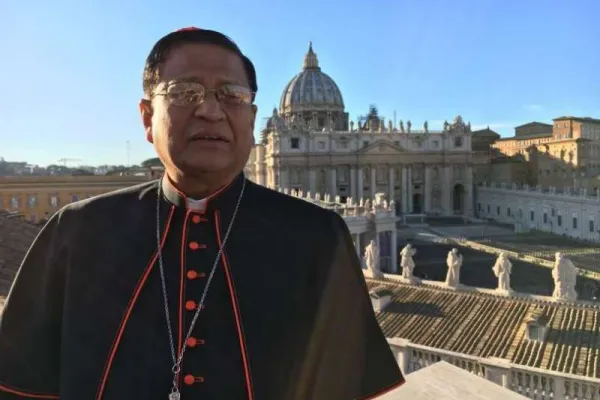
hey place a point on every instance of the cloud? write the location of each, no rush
(532, 107)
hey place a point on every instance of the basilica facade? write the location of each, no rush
(309, 144)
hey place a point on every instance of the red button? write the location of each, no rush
(193, 342)
(191, 274)
(190, 305)
(196, 219)
(190, 379)
(194, 245)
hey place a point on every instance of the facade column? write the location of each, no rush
(446, 190)
(469, 191)
(312, 180)
(410, 189)
(359, 185)
(394, 249)
(404, 191)
(353, 191)
(333, 182)
(373, 181)
(427, 193)
(284, 178)
(391, 183)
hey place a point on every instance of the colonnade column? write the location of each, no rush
(391, 183)
(333, 182)
(427, 194)
(373, 185)
(353, 191)
(394, 250)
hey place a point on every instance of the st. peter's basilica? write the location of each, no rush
(310, 145)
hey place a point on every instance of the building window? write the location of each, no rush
(479, 206)
(321, 145)
(498, 210)
(488, 208)
(14, 202)
(591, 225)
(545, 218)
(365, 143)
(436, 144)
(574, 222)
(559, 220)
(343, 144)
(31, 201)
(74, 198)
(295, 142)
(532, 215)
(553, 212)
(520, 213)
(54, 201)
(458, 141)
(508, 211)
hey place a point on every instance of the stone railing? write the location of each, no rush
(549, 191)
(378, 207)
(534, 383)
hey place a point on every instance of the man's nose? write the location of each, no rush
(210, 108)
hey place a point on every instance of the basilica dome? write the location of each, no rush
(311, 90)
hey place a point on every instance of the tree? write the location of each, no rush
(152, 162)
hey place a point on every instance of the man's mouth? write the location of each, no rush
(210, 138)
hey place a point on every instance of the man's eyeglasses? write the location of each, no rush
(184, 94)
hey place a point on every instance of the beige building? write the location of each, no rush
(39, 197)
(309, 144)
(564, 154)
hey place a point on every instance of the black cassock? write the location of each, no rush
(287, 315)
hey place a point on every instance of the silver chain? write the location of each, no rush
(177, 360)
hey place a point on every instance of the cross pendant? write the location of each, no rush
(175, 396)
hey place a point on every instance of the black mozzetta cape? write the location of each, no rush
(287, 316)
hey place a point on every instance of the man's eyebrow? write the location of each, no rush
(222, 80)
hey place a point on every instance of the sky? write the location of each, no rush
(71, 70)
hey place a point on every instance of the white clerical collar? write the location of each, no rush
(196, 205)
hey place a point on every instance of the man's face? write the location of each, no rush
(183, 135)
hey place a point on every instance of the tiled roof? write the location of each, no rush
(487, 325)
(16, 235)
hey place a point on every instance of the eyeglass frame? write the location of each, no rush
(163, 91)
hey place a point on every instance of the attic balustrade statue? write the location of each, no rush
(367, 220)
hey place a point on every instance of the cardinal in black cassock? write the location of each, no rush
(201, 284)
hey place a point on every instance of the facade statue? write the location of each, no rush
(502, 269)
(390, 126)
(426, 127)
(446, 126)
(372, 259)
(406, 261)
(564, 274)
(401, 126)
(368, 204)
(454, 262)
(392, 206)
(408, 126)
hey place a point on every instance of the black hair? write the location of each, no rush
(159, 53)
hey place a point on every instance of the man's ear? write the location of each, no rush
(146, 114)
(254, 111)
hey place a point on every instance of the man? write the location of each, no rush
(201, 285)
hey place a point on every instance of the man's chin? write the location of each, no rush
(208, 165)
